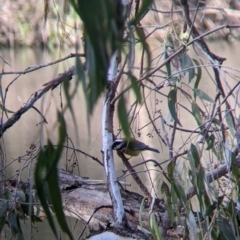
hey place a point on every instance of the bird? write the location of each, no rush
(131, 146)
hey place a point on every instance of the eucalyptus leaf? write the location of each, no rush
(122, 116)
(199, 74)
(226, 229)
(202, 95)
(142, 11)
(172, 100)
(3, 207)
(230, 123)
(168, 64)
(197, 114)
(13, 221)
(187, 66)
(136, 88)
(103, 29)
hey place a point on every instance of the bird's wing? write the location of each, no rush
(138, 146)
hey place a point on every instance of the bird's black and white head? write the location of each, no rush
(119, 145)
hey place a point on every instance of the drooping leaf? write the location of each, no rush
(3, 207)
(226, 229)
(210, 142)
(167, 198)
(142, 11)
(197, 114)
(187, 65)
(168, 64)
(131, 47)
(195, 155)
(172, 100)
(141, 212)
(192, 225)
(13, 221)
(145, 46)
(103, 29)
(199, 74)
(46, 180)
(230, 123)
(202, 95)
(2, 223)
(136, 88)
(40, 184)
(122, 116)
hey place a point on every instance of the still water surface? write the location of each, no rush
(28, 131)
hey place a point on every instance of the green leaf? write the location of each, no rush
(172, 100)
(195, 155)
(168, 64)
(165, 189)
(146, 48)
(230, 123)
(142, 11)
(13, 221)
(199, 74)
(2, 223)
(3, 207)
(197, 115)
(40, 173)
(136, 88)
(56, 200)
(46, 180)
(226, 229)
(210, 142)
(202, 95)
(187, 65)
(141, 212)
(155, 228)
(122, 116)
(103, 29)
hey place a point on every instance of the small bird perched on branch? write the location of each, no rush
(131, 146)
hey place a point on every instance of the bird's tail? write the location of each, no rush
(153, 149)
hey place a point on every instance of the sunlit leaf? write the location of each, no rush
(123, 117)
(202, 95)
(172, 100)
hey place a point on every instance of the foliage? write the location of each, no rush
(200, 179)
